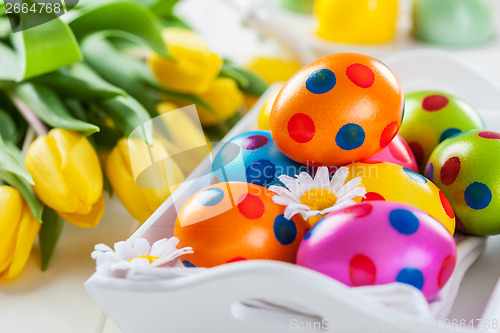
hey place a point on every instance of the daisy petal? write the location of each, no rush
(349, 186)
(282, 200)
(124, 250)
(141, 246)
(290, 183)
(158, 248)
(339, 177)
(102, 247)
(322, 178)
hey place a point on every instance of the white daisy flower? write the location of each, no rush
(137, 259)
(315, 197)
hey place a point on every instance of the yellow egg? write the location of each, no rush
(391, 182)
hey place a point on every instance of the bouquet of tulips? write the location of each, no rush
(72, 90)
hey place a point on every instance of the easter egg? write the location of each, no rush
(253, 157)
(397, 152)
(381, 242)
(265, 112)
(235, 221)
(339, 109)
(431, 117)
(467, 169)
(391, 182)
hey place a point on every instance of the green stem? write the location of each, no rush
(31, 118)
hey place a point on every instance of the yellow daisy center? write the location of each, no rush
(147, 256)
(318, 199)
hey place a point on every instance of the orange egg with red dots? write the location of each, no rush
(339, 109)
(235, 221)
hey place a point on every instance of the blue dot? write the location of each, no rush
(350, 136)
(404, 221)
(284, 230)
(312, 230)
(187, 263)
(477, 196)
(449, 133)
(404, 106)
(261, 172)
(210, 197)
(429, 172)
(411, 276)
(321, 81)
(415, 176)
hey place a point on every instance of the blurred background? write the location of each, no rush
(273, 38)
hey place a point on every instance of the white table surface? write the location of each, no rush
(55, 301)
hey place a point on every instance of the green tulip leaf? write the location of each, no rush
(5, 28)
(47, 105)
(45, 48)
(247, 81)
(117, 68)
(123, 16)
(49, 235)
(13, 172)
(79, 81)
(128, 114)
(7, 126)
(9, 64)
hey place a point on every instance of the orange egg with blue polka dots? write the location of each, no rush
(341, 108)
(235, 221)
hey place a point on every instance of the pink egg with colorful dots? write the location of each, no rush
(381, 242)
(397, 152)
(341, 108)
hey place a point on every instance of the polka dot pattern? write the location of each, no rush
(449, 133)
(478, 196)
(360, 75)
(415, 176)
(359, 211)
(210, 197)
(188, 264)
(261, 172)
(372, 196)
(285, 230)
(404, 221)
(301, 128)
(235, 259)
(446, 270)
(448, 209)
(251, 206)
(489, 135)
(450, 171)
(388, 134)
(350, 137)
(254, 142)
(362, 271)
(435, 102)
(411, 276)
(321, 81)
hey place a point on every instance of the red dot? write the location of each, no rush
(446, 270)
(418, 151)
(389, 133)
(450, 171)
(362, 271)
(235, 259)
(301, 128)
(215, 180)
(399, 151)
(460, 225)
(435, 102)
(372, 196)
(251, 206)
(360, 75)
(359, 210)
(489, 135)
(371, 162)
(446, 205)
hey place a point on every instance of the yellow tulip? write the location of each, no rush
(193, 67)
(359, 22)
(18, 231)
(140, 202)
(273, 69)
(67, 176)
(224, 97)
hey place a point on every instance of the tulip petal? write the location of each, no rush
(11, 205)
(89, 220)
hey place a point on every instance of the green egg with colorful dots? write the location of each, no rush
(431, 117)
(467, 169)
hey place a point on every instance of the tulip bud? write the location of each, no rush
(193, 67)
(140, 201)
(273, 69)
(18, 231)
(224, 97)
(67, 176)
